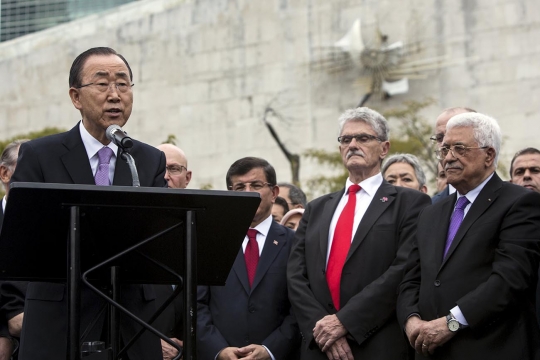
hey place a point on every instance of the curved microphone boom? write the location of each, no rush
(119, 137)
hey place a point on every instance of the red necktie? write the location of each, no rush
(251, 255)
(340, 245)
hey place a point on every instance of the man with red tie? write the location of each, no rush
(350, 252)
(250, 317)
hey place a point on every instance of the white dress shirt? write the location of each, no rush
(92, 146)
(363, 199)
(471, 196)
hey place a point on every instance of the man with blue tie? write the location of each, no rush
(470, 287)
(100, 87)
(250, 317)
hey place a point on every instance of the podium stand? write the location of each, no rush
(125, 235)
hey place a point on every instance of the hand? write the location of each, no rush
(412, 328)
(228, 353)
(340, 350)
(15, 325)
(169, 352)
(253, 352)
(6, 348)
(432, 334)
(327, 331)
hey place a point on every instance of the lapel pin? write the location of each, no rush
(489, 199)
(384, 199)
(275, 242)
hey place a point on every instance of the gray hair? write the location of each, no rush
(11, 153)
(486, 130)
(406, 159)
(377, 122)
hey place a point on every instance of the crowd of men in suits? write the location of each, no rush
(377, 270)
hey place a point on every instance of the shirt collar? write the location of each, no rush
(91, 144)
(264, 227)
(473, 194)
(451, 189)
(369, 185)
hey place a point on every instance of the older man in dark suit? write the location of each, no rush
(250, 317)
(350, 253)
(101, 89)
(469, 293)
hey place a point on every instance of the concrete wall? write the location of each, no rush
(206, 71)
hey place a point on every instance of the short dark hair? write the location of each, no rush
(529, 150)
(297, 196)
(283, 203)
(76, 68)
(245, 165)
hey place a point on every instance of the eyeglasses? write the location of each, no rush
(254, 185)
(175, 169)
(360, 138)
(437, 138)
(457, 152)
(105, 86)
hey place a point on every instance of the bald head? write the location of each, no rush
(442, 120)
(177, 175)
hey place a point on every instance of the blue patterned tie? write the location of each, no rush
(455, 222)
(102, 173)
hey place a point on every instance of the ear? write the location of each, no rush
(5, 174)
(188, 177)
(74, 95)
(490, 156)
(385, 145)
(424, 189)
(275, 193)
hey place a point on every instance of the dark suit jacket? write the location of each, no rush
(62, 158)
(4, 331)
(443, 194)
(490, 272)
(235, 315)
(372, 272)
(170, 321)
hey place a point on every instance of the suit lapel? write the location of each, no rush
(328, 213)
(275, 241)
(239, 268)
(76, 159)
(483, 201)
(381, 201)
(122, 174)
(440, 228)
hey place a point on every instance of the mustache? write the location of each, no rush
(355, 152)
(453, 164)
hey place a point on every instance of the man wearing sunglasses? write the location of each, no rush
(470, 289)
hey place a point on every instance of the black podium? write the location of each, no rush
(115, 235)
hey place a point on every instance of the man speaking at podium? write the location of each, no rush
(100, 87)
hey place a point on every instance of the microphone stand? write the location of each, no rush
(131, 164)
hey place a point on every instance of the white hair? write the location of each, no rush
(486, 130)
(377, 122)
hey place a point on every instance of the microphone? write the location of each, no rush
(119, 137)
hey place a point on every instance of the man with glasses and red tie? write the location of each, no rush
(470, 287)
(350, 252)
(100, 87)
(250, 317)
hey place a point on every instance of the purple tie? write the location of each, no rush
(455, 222)
(102, 173)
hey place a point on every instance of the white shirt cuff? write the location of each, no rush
(459, 315)
(269, 352)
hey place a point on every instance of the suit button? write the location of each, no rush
(331, 306)
(252, 310)
(437, 283)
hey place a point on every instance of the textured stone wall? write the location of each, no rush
(208, 70)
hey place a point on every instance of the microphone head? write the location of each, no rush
(110, 132)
